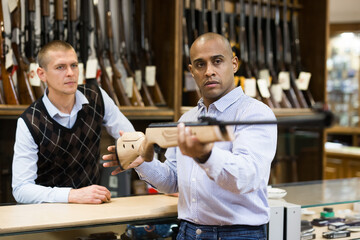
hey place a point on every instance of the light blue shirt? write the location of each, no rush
(25, 149)
(230, 188)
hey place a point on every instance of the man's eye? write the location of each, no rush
(60, 67)
(200, 65)
(218, 61)
(74, 65)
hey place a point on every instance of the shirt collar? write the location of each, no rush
(80, 100)
(225, 101)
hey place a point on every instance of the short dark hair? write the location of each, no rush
(51, 46)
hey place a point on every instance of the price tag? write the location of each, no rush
(276, 91)
(138, 78)
(12, 5)
(109, 73)
(189, 84)
(91, 68)
(250, 87)
(265, 74)
(150, 75)
(33, 77)
(9, 59)
(129, 86)
(81, 73)
(303, 81)
(284, 80)
(263, 88)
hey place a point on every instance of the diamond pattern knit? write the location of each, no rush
(68, 157)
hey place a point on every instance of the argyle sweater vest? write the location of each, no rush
(68, 157)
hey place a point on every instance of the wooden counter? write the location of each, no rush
(28, 218)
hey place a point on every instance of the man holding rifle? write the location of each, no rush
(57, 147)
(222, 186)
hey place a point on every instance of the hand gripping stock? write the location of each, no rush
(134, 144)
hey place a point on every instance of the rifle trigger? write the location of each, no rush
(208, 120)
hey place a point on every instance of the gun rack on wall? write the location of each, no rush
(147, 47)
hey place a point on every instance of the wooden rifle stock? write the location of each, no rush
(72, 23)
(59, 20)
(10, 94)
(45, 22)
(105, 80)
(26, 93)
(117, 84)
(134, 144)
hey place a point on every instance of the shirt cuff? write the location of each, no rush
(214, 163)
(62, 195)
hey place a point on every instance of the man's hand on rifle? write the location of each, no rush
(112, 161)
(190, 146)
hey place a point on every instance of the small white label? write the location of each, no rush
(303, 81)
(265, 74)
(109, 73)
(150, 75)
(81, 73)
(129, 86)
(9, 60)
(113, 181)
(33, 77)
(189, 83)
(91, 68)
(263, 88)
(276, 91)
(250, 87)
(12, 5)
(138, 79)
(284, 80)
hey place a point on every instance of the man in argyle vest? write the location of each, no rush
(56, 152)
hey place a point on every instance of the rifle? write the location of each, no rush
(284, 76)
(213, 17)
(85, 28)
(164, 135)
(72, 23)
(45, 22)
(30, 47)
(26, 93)
(260, 63)
(191, 92)
(149, 69)
(10, 93)
(105, 80)
(59, 20)
(252, 56)
(287, 59)
(116, 77)
(203, 24)
(133, 91)
(297, 57)
(276, 88)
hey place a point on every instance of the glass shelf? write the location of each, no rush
(322, 193)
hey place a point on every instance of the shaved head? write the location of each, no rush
(211, 36)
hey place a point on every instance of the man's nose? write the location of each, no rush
(209, 70)
(70, 71)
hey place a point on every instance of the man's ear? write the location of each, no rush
(190, 68)
(42, 74)
(235, 62)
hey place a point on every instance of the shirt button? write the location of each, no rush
(198, 231)
(196, 220)
(206, 169)
(193, 200)
(193, 179)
